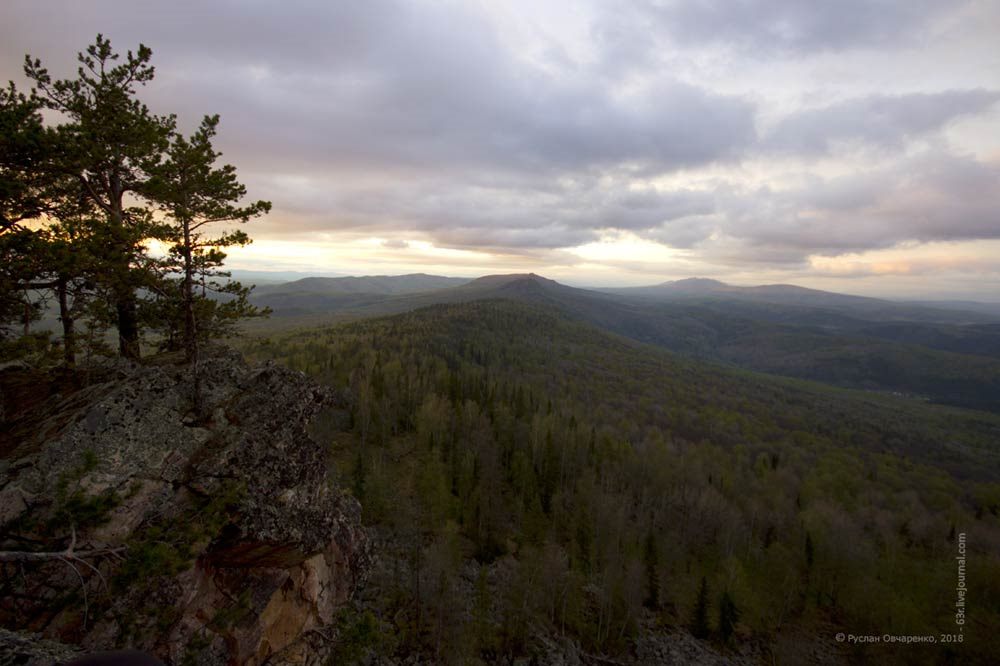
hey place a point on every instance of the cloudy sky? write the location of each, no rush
(852, 145)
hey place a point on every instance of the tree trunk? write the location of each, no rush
(128, 325)
(66, 317)
(125, 301)
(190, 322)
(26, 312)
(190, 325)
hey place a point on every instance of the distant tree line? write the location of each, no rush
(84, 200)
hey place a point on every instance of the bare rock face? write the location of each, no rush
(208, 534)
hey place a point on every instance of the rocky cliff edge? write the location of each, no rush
(129, 517)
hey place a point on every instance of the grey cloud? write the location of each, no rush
(457, 216)
(879, 120)
(679, 218)
(931, 197)
(782, 26)
(685, 233)
(548, 237)
(398, 86)
(934, 196)
(418, 120)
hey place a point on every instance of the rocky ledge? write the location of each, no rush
(203, 531)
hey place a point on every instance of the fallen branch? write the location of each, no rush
(68, 557)
(69, 553)
(27, 556)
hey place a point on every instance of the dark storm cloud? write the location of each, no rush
(781, 26)
(879, 121)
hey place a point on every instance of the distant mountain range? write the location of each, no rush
(377, 294)
(944, 354)
(371, 284)
(791, 295)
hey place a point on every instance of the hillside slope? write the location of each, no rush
(808, 343)
(543, 487)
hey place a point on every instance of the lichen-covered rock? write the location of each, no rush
(209, 529)
(29, 650)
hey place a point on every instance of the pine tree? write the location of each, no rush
(24, 185)
(25, 147)
(195, 194)
(109, 144)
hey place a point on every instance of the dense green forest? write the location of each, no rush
(528, 473)
(942, 356)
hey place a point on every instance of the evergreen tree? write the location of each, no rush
(699, 618)
(81, 183)
(651, 560)
(109, 146)
(195, 194)
(22, 274)
(25, 147)
(729, 615)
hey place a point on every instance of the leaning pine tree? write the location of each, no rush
(194, 194)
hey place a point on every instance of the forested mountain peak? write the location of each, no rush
(507, 279)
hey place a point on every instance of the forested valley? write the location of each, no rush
(531, 475)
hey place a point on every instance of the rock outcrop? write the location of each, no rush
(208, 535)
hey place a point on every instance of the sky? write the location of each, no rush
(852, 146)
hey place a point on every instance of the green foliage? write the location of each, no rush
(83, 511)
(24, 145)
(76, 509)
(77, 202)
(108, 144)
(232, 614)
(169, 546)
(651, 561)
(358, 634)
(729, 615)
(196, 646)
(561, 461)
(194, 195)
(699, 615)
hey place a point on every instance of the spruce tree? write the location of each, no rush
(651, 561)
(729, 615)
(699, 618)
